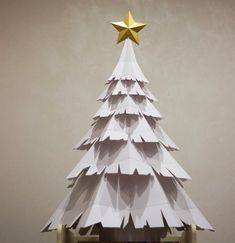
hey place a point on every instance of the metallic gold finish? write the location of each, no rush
(61, 234)
(191, 236)
(128, 29)
(177, 239)
(64, 235)
(94, 238)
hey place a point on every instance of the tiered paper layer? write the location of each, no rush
(112, 199)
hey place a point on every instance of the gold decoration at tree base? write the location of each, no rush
(67, 236)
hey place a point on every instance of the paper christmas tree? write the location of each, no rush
(127, 187)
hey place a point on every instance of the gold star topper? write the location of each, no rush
(128, 29)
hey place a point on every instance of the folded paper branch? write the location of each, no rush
(125, 87)
(127, 104)
(111, 199)
(128, 158)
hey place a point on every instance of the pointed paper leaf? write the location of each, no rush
(148, 93)
(140, 131)
(118, 105)
(119, 89)
(148, 109)
(136, 90)
(161, 160)
(113, 131)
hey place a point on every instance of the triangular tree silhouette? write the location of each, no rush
(127, 185)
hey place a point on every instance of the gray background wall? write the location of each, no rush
(55, 56)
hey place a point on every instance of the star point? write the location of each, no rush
(128, 28)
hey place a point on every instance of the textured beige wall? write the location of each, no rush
(55, 56)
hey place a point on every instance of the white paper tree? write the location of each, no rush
(127, 187)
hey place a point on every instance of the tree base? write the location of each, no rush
(68, 236)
